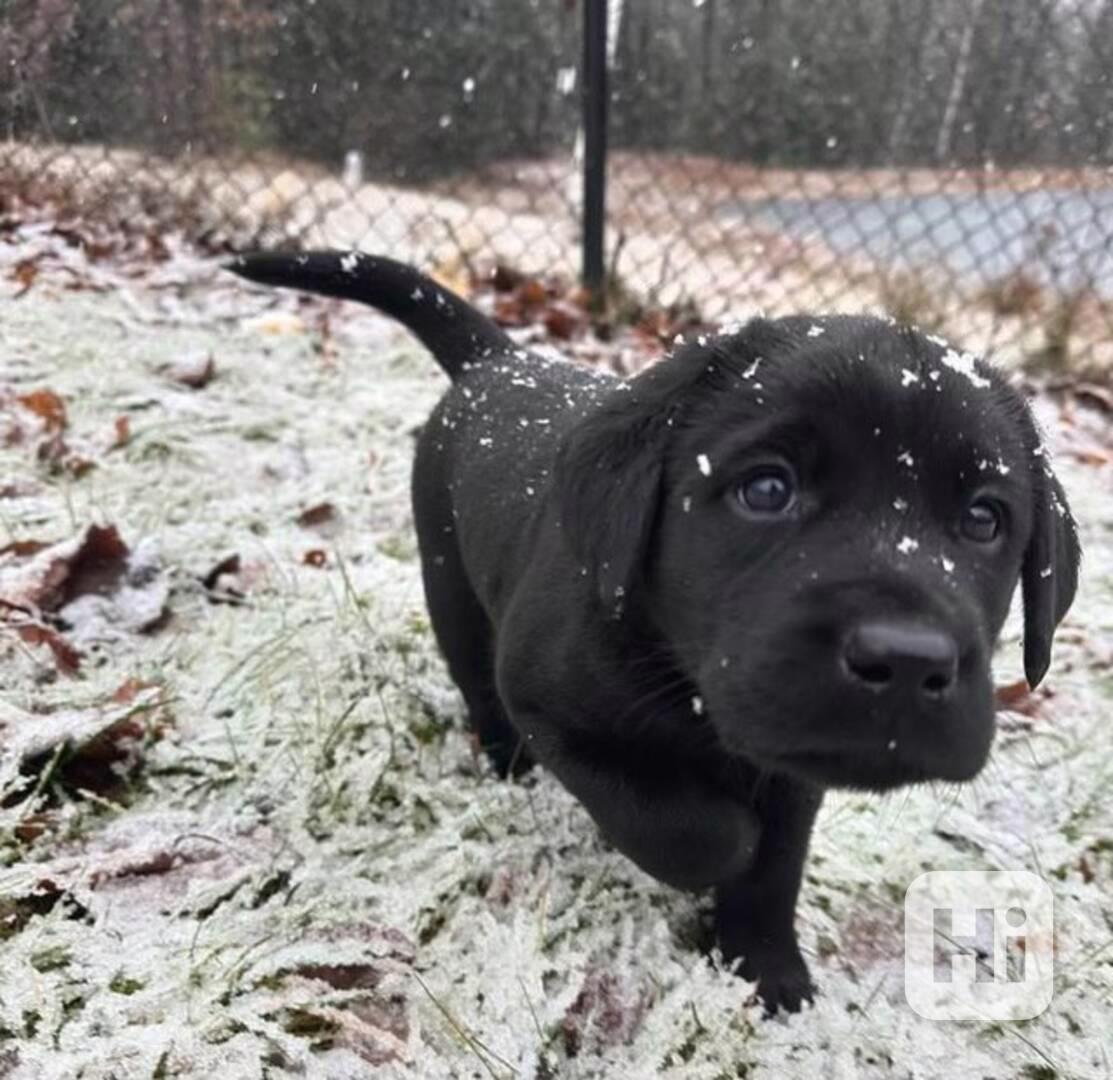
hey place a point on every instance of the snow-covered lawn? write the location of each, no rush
(303, 869)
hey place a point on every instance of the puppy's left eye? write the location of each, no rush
(981, 521)
(767, 490)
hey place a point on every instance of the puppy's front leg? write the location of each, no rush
(661, 814)
(754, 911)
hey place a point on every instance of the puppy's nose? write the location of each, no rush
(887, 656)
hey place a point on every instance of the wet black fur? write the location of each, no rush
(610, 611)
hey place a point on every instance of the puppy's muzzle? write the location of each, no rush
(897, 688)
(901, 660)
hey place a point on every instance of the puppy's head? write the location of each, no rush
(825, 521)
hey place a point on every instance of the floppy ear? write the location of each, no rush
(1049, 575)
(609, 469)
(608, 478)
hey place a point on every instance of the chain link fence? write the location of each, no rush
(945, 160)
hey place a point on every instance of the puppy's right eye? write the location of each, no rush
(768, 490)
(982, 521)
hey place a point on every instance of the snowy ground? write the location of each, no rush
(303, 870)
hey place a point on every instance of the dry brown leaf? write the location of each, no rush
(505, 278)
(1086, 869)
(607, 1011)
(55, 453)
(1100, 397)
(563, 321)
(870, 935)
(508, 311)
(323, 519)
(19, 489)
(122, 428)
(354, 958)
(66, 658)
(130, 688)
(375, 1028)
(1013, 694)
(22, 549)
(47, 406)
(532, 293)
(101, 741)
(29, 895)
(31, 827)
(1018, 697)
(25, 272)
(98, 564)
(93, 585)
(1092, 455)
(319, 514)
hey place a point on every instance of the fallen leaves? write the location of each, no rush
(48, 406)
(376, 1029)
(89, 748)
(122, 428)
(319, 514)
(1018, 704)
(1092, 455)
(23, 548)
(1014, 696)
(607, 1011)
(526, 301)
(40, 897)
(556, 309)
(79, 592)
(24, 274)
(1096, 396)
(1082, 421)
(66, 658)
(142, 862)
(337, 990)
(48, 215)
(38, 419)
(870, 935)
(323, 519)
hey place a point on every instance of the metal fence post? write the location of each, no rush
(595, 145)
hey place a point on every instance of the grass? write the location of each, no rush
(316, 802)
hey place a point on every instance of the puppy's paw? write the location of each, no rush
(786, 988)
(782, 978)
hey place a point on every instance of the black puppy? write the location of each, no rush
(776, 562)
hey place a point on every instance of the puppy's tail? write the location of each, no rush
(449, 327)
